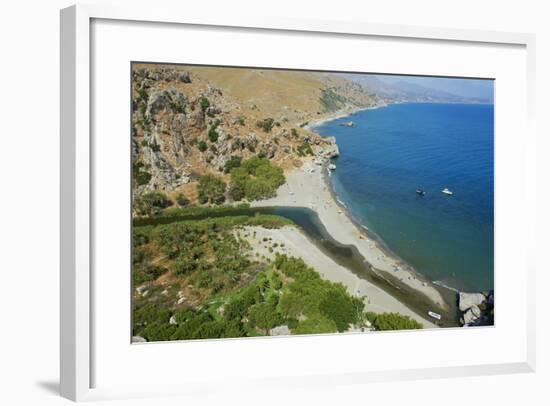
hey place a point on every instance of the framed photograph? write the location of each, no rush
(291, 202)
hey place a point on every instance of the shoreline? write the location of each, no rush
(309, 187)
(340, 114)
(294, 242)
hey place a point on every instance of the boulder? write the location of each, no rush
(173, 321)
(213, 111)
(471, 315)
(467, 300)
(184, 77)
(279, 331)
(138, 339)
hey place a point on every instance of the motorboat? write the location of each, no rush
(446, 191)
(420, 192)
(434, 315)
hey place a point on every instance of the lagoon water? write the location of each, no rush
(392, 151)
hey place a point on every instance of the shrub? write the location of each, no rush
(152, 202)
(140, 175)
(264, 316)
(234, 162)
(213, 133)
(304, 149)
(236, 193)
(394, 321)
(266, 124)
(258, 178)
(147, 274)
(204, 103)
(202, 146)
(211, 189)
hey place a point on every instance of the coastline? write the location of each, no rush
(294, 242)
(340, 114)
(308, 187)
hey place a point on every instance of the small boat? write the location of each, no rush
(447, 192)
(420, 192)
(434, 315)
(332, 167)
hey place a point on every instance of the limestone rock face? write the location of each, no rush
(467, 300)
(279, 331)
(165, 100)
(329, 149)
(471, 315)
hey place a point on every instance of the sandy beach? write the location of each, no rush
(307, 187)
(291, 241)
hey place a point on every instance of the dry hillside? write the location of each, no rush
(190, 120)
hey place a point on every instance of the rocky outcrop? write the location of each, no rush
(477, 309)
(171, 101)
(279, 331)
(467, 300)
(138, 339)
(328, 148)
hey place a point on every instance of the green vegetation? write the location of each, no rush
(266, 124)
(234, 162)
(241, 120)
(256, 178)
(304, 149)
(213, 132)
(226, 293)
(392, 321)
(195, 211)
(211, 189)
(204, 103)
(202, 146)
(310, 295)
(139, 174)
(294, 132)
(151, 203)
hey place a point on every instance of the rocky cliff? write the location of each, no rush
(188, 121)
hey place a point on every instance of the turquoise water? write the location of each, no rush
(392, 151)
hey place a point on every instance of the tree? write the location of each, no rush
(233, 162)
(211, 189)
(340, 307)
(236, 192)
(395, 321)
(264, 316)
(258, 178)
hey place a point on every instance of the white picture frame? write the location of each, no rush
(77, 355)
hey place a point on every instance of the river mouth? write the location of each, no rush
(347, 256)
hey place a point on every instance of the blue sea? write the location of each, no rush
(392, 151)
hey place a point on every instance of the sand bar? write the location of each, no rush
(293, 242)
